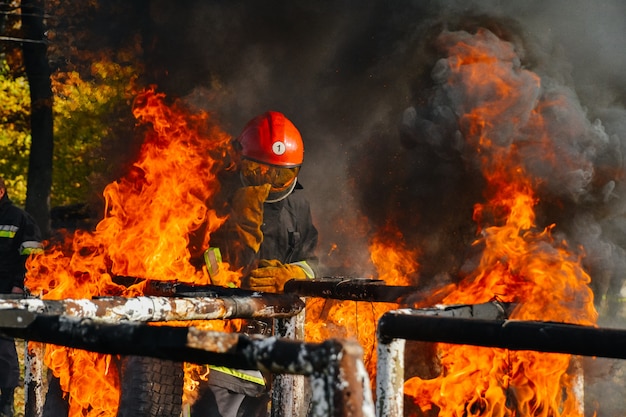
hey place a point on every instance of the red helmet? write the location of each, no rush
(272, 139)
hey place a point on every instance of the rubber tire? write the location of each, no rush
(150, 387)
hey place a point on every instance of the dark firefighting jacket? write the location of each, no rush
(19, 237)
(289, 234)
(290, 237)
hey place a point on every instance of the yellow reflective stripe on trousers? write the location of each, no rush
(237, 374)
(7, 233)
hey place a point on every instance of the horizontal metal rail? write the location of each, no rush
(508, 334)
(151, 308)
(209, 303)
(353, 289)
(335, 367)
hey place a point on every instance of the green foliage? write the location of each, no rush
(14, 133)
(83, 110)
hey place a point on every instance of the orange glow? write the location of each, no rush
(149, 215)
(327, 319)
(520, 263)
(395, 264)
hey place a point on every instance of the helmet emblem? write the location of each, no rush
(278, 148)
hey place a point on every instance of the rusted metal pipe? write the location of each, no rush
(148, 308)
(241, 304)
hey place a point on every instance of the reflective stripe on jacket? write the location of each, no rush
(19, 237)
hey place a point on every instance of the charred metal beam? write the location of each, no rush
(335, 367)
(163, 288)
(540, 336)
(148, 308)
(184, 344)
(354, 289)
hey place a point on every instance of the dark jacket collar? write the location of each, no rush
(5, 201)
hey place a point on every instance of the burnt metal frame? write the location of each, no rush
(465, 324)
(335, 369)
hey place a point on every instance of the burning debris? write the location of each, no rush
(502, 185)
(495, 185)
(526, 138)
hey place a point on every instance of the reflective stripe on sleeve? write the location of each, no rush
(8, 230)
(308, 271)
(31, 246)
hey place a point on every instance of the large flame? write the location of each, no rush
(520, 263)
(149, 215)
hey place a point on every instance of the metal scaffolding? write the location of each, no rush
(116, 325)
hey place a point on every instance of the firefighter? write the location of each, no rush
(19, 237)
(270, 235)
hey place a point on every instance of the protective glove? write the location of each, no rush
(271, 275)
(247, 214)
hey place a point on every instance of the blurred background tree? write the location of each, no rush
(93, 76)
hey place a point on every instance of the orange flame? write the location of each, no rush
(149, 216)
(351, 319)
(519, 264)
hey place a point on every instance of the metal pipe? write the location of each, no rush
(148, 308)
(355, 289)
(337, 373)
(288, 390)
(483, 325)
(233, 304)
(390, 378)
(508, 334)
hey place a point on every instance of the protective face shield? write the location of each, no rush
(282, 179)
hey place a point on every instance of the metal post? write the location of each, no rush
(341, 389)
(33, 379)
(288, 390)
(390, 378)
